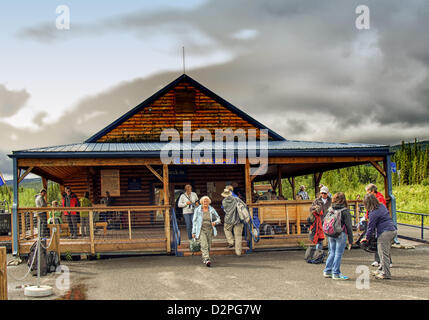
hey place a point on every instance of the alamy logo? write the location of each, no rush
(63, 20)
(362, 21)
(228, 147)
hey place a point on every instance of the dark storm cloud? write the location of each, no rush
(306, 72)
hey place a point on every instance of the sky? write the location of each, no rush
(302, 68)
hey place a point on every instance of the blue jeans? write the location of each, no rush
(188, 220)
(336, 251)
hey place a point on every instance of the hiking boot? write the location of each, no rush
(374, 264)
(208, 263)
(381, 276)
(339, 277)
(327, 275)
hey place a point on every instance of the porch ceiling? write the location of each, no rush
(294, 170)
(57, 174)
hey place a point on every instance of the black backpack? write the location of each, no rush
(49, 261)
(43, 259)
(179, 211)
(53, 261)
(313, 255)
(370, 245)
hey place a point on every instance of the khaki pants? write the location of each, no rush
(206, 242)
(238, 230)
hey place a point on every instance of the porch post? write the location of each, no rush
(248, 186)
(279, 179)
(91, 231)
(388, 188)
(166, 203)
(15, 209)
(389, 191)
(293, 189)
(45, 186)
(247, 181)
(317, 179)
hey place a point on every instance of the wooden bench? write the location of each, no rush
(285, 214)
(65, 226)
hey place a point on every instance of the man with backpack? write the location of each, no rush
(232, 222)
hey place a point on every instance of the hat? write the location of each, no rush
(324, 190)
(43, 190)
(226, 193)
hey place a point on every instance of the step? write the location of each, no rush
(214, 252)
(215, 244)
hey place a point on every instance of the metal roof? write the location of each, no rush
(142, 149)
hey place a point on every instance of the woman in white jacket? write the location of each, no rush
(203, 227)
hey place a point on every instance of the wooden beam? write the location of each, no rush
(386, 189)
(379, 168)
(129, 223)
(247, 182)
(318, 160)
(91, 231)
(45, 186)
(84, 162)
(154, 172)
(3, 273)
(279, 180)
(293, 189)
(24, 174)
(317, 179)
(166, 203)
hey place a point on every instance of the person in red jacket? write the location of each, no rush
(372, 188)
(70, 200)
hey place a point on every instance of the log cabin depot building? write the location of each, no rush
(124, 159)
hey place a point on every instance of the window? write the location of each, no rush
(185, 101)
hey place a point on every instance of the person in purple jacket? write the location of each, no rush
(382, 224)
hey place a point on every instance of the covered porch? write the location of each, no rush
(143, 219)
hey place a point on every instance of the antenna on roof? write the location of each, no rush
(183, 55)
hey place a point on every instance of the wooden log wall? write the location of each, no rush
(147, 124)
(200, 175)
(197, 175)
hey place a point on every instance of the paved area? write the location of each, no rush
(263, 275)
(413, 232)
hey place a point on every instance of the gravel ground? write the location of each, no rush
(276, 275)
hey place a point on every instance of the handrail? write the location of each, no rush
(415, 213)
(422, 225)
(95, 208)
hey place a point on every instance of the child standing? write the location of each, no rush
(84, 215)
(55, 217)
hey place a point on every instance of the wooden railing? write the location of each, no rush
(294, 212)
(27, 227)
